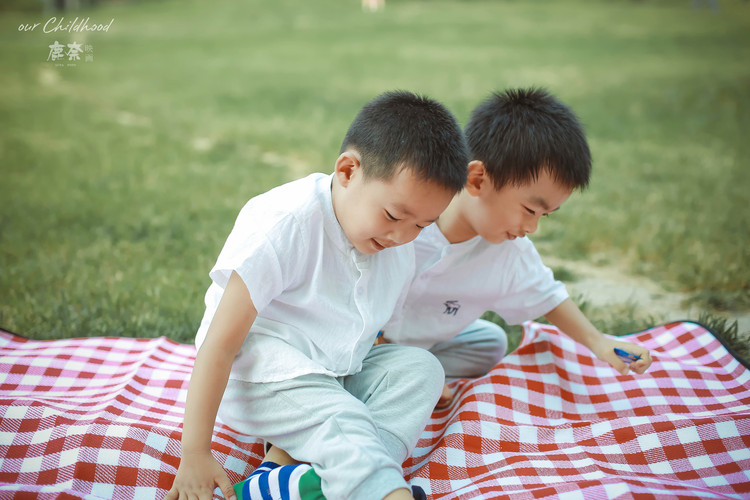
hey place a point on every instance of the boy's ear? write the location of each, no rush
(477, 178)
(347, 165)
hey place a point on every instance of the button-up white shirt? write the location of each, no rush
(456, 283)
(320, 302)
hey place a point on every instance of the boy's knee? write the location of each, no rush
(409, 371)
(489, 351)
(410, 358)
(422, 369)
(496, 341)
(474, 352)
(429, 364)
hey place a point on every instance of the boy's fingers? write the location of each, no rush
(619, 365)
(641, 366)
(226, 488)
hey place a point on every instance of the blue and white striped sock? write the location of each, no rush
(271, 481)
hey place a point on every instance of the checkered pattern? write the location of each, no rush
(101, 418)
(552, 421)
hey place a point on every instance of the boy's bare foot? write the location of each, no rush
(446, 398)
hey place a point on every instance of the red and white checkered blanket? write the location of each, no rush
(100, 418)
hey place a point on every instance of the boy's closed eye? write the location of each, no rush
(390, 217)
(533, 212)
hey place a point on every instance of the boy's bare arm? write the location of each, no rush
(569, 318)
(199, 472)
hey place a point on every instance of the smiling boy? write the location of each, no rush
(310, 273)
(529, 153)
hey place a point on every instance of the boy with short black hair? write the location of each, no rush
(529, 153)
(300, 290)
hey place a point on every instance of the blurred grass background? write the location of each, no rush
(121, 176)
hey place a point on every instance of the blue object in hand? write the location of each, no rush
(626, 356)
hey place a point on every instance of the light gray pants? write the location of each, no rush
(356, 431)
(473, 352)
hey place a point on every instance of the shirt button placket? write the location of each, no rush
(360, 297)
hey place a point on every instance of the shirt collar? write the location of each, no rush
(330, 222)
(440, 241)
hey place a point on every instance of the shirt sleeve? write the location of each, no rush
(253, 251)
(531, 290)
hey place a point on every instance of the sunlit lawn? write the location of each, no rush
(121, 176)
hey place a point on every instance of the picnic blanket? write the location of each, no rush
(101, 418)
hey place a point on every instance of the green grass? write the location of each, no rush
(121, 177)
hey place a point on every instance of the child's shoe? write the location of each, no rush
(418, 493)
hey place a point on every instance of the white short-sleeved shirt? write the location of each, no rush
(320, 301)
(456, 283)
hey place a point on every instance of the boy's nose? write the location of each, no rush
(403, 235)
(531, 225)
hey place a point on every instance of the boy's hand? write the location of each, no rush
(198, 476)
(605, 350)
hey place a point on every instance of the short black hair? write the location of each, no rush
(399, 129)
(520, 133)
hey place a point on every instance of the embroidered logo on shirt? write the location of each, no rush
(451, 307)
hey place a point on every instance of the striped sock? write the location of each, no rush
(271, 481)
